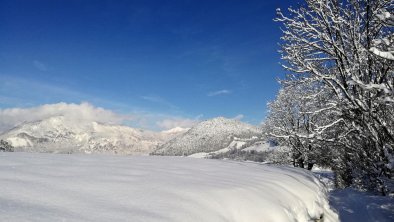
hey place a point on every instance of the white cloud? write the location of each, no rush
(219, 92)
(81, 112)
(86, 112)
(171, 123)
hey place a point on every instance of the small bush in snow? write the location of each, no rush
(5, 146)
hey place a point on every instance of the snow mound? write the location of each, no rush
(55, 187)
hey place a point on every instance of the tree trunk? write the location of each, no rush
(301, 163)
(310, 166)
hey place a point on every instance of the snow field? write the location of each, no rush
(56, 187)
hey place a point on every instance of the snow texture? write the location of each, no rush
(58, 187)
(353, 205)
(357, 206)
(386, 55)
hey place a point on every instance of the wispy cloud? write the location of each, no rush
(39, 65)
(238, 117)
(219, 92)
(28, 90)
(160, 101)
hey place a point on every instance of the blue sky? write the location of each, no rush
(191, 59)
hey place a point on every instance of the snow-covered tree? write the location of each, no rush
(298, 118)
(5, 146)
(346, 46)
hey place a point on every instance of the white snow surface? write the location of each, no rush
(353, 205)
(59, 187)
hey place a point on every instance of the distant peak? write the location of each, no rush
(221, 119)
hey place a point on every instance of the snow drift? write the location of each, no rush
(56, 187)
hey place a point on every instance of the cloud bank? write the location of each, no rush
(87, 112)
(79, 112)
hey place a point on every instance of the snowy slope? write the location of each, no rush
(259, 146)
(55, 187)
(63, 135)
(210, 136)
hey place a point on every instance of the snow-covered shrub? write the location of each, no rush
(5, 146)
(242, 155)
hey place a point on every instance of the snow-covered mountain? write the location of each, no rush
(63, 135)
(210, 136)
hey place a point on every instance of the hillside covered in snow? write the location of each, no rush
(212, 135)
(48, 187)
(60, 134)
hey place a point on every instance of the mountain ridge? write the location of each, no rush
(209, 136)
(61, 134)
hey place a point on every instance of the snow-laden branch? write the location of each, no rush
(340, 85)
